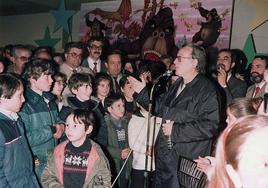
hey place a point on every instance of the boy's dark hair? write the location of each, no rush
(9, 84)
(112, 99)
(78, 79)
(71, 45)
(100, 76)
(84, 116)
(35, 68)
(123, 81)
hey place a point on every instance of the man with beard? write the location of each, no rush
(189, 111)
(259, 65)
(232, 86)
(93, 60)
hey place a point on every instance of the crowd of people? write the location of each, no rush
(80, 119)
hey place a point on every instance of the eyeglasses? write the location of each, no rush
(75, 55)
(23, 58)
(179, 57)
(95, 47)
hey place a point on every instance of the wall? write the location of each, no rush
(27, 28)
(244, 15)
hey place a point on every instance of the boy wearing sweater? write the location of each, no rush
(78, 162)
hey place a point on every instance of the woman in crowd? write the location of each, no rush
(102, 88)
(241, 157)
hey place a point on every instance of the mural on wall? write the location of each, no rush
(63, 20)
(206, 22)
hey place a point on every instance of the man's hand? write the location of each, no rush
(167, 127)
(136, 84)
(222, 77)
(59, 130)
(124, 153)
(203, 164)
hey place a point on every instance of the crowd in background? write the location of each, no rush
(83, 117)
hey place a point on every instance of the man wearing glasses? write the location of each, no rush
(20, 56)
(190, 115)
(93, 60)
(73, 55)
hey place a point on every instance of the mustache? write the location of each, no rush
(254, 74)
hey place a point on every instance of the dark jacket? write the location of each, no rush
(16, 163)
(38, 118)
(235, 88)
(195, 112)
(100, 130)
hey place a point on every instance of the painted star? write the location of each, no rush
(62, 17)
(249, 48)
(47, 40)
(261, 15)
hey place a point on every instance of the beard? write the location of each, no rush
(256, 77)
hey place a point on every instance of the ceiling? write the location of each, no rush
(17, 7)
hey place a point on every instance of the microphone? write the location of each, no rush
(265, 100)
(167, 73)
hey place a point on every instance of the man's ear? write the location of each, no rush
(89, 129)
(234, 176)
(232, 65)
(195, 63)
(65, 55)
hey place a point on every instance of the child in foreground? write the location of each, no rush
(16, 168)
(78, 162)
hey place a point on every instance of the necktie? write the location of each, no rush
(257, 90)
(95, 67)
(116, 85)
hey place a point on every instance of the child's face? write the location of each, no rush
(15, 102)
(83, 93)
(75, 131)
(103, 88)
(128, 90)
(117, 109)
(43, 83)
(58, 87)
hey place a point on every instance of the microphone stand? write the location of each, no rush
(146, 180)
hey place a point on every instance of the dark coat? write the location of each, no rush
(38, 118)
(195, 112)
(235, 88)
(16, 163)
